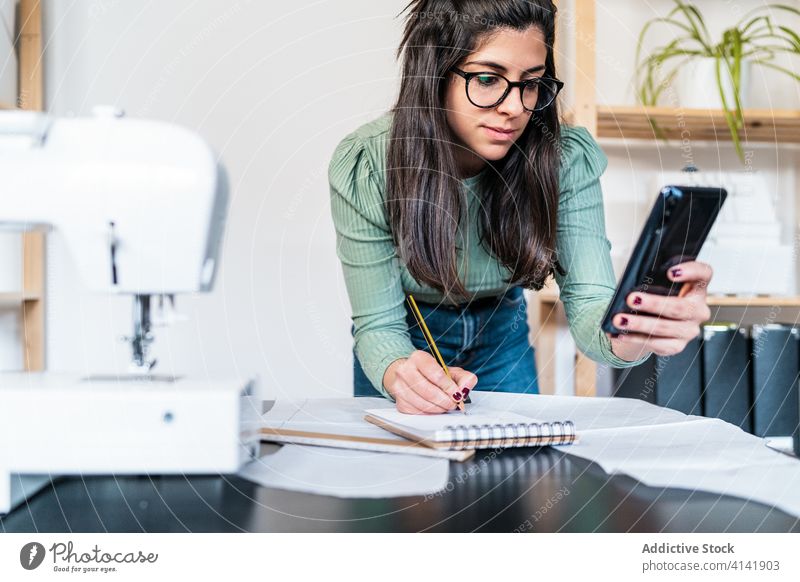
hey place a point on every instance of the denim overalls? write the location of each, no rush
(488, 337)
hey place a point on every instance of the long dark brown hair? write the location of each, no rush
(424, 197)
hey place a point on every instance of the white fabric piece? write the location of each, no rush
(657, 446)
(348, 473)
(703, 454)
(661, 447)
(585, 413)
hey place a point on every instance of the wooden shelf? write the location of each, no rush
(16, 299)
(30, 97)
(4, 106)
(757, 301)
(615, 125)
(634, 122)
(548, 296)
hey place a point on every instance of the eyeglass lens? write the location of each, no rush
(486, 90)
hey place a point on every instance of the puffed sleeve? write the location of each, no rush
(583, 248)
(369, 260)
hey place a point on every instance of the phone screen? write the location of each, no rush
(674, 233)
(677, 239)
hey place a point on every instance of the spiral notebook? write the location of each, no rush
(479, 430)
(339, 423)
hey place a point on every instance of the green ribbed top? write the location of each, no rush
(377, 281)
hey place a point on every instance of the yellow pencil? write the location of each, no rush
(431, 343)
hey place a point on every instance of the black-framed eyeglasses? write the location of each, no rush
(487, 89)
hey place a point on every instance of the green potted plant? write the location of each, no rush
(756, 39)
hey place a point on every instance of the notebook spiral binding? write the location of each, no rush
(522, 434)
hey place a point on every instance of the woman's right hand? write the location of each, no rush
(419, 385)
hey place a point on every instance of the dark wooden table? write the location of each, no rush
(537, 490)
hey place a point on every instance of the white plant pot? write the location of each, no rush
(8, 60)
(697, 86)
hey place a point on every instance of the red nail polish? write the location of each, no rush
(637, 300)
(457, 396)
(676, 272)
(465, 392)
(623, 322)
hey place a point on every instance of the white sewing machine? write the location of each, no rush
(141, 206)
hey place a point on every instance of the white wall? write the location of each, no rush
(619, 23)
(273, 86)
(8, 59)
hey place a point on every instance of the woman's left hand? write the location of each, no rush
(664, 324)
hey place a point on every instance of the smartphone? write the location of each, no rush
(674, 233)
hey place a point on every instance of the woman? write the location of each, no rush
(468, 191)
